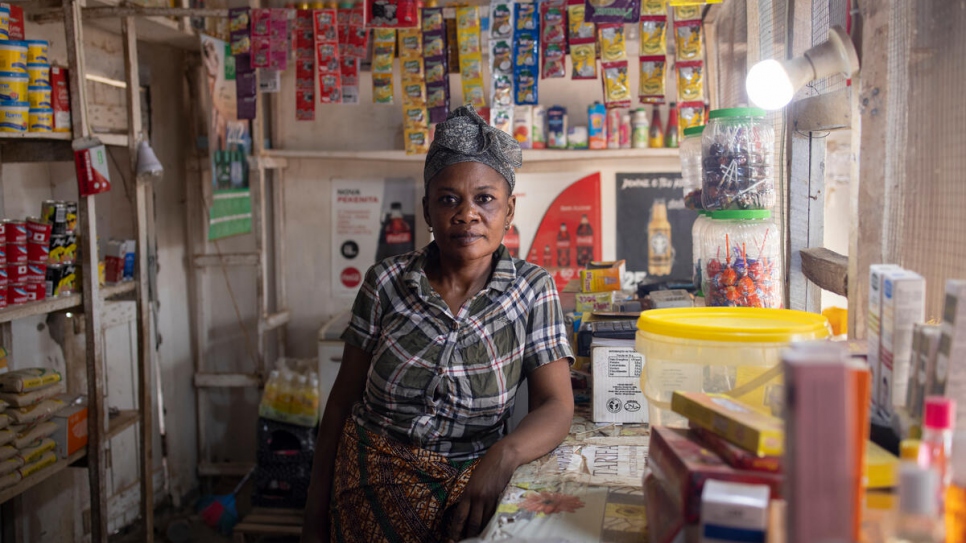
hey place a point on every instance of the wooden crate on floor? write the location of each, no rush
(263, 521)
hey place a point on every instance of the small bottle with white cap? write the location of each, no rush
(919, 520)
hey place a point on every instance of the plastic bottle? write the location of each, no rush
(314, 397)
(639, 127)
(955, 506)
(270, 395)
(671, 130)
(935, 449)
(546, 257)
(286, 390)
(918, 520)
(655, 137)
(625, 132)
(302, 403)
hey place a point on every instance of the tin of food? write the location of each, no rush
(16, 231)
(36, 273)
(52, 282)
(38, 230)
(17, 294)
(16, 253)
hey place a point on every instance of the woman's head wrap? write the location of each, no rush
(466, 137)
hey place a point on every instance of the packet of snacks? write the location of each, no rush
(653, 7)
(653, 35)
(688, 40)
(651, 89)
(690, 80)
(612, 43)
(617, 92)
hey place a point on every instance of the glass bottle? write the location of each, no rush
(671, 130)
(918, 520)
(655, 137)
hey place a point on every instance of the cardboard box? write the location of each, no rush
(617, 395)
(755, 432)
(71, 434)
(903, 305)
(594, 301)
(873, 323)
(950, 370)
(602, 276)
(92, 172)
(733, 512)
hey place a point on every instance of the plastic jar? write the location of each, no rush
(742, 260)
(39, 74)
(13, 86)
(14, 116)
(40, 120)
(639, 126)
(697, 234)
(737, 148)
(39, 97)
(37, 52)
(4, 22)
(13, 56)
(690, 153)
(726, 350)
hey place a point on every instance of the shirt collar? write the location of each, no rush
(415, 275)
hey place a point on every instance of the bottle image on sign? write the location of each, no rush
(546, 257)
(511, 239)
(585, 242)
(397, 236)
(533, 257)
(659, 252)
(563, 247)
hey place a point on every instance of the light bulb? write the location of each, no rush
(768, 85)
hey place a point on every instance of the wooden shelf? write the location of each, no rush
(529, 155)
(120, 289)
(150, 29)
(113, 140)
(67, 136)
(41, 476)
(124, 420)
(61, 303)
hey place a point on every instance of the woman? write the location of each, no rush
(438, 342)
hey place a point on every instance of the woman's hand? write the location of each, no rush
(482, 492)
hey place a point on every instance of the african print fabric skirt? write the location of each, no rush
(386, 490)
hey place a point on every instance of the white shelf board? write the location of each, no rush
(61, 303)
(114, 140)
(150, 29)
(529, 155)
(36, 136)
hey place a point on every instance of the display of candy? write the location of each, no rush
(737, 147)
(739, 279)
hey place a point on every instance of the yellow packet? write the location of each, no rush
(652, 88)
(414, 93)
(654, 7)
(578, 27)
(690, 81)
(653, 36)
(690, 114)
(382, 91)
(417, 141)
(412, 69)
(469, 43)
(382, 64)
(410, 43)
(433, 46)
(612, 45)
(687, 38)
(471, 68)
(687, 13)
(415, 118)
(384, 35)
(473, 93)
(433, 20)
(584, 58)
(468, 18)
(617, 93)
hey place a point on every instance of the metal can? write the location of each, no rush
(16, 273)
(70, 248)
(3, 297)
(16, 231)
(58, 245)
(3, 254)
(55, 212)
(36, 273)
(16, 253)
(68, 280)
(17, 294)
(38, 252)
(36, 291)
(38, 230)
(3, 232)
(71, 216)
(52, 280)
(4, 281)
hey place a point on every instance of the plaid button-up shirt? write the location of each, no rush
(443, 382)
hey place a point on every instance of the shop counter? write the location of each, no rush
(589, 489)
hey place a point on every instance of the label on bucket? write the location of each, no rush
(13, 119)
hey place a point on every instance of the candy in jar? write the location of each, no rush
(737, 149)
(741, 259)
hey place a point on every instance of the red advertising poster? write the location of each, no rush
(557, 222)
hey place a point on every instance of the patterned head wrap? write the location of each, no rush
(466, 137)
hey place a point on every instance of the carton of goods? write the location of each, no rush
(665, 522)
(734, 455)
(903, 305)
(33, 452)
(30, 398)
(734, 512)
(684, 466)
(28, 379)
(47, 459)
(11, 464)
(602, 276)
(71, 434)
(617, 395)
(873, 325)
(10, 479)
(950, 373)
(754, 432)
(587, 302)
(38, 412)
(28, 434)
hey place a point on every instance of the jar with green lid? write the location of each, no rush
(737, 154)
(690, 153)
(741, 260)
(697, 233)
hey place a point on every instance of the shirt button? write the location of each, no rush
(456, 325)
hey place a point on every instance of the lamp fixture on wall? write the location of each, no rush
(772, 84)
(148, 164)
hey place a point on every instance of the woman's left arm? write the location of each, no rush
(544, 427)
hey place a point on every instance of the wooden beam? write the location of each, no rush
(822, 113)
(827, 269)
(36, 151)
(227, 380)
(227, 259)
(46, 16)
(145, 352)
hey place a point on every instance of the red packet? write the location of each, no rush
(261, 51)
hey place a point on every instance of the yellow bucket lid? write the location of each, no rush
(734, 324)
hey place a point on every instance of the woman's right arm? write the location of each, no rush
(347, 390)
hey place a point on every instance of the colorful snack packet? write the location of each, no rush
(502, 118)
(553, 28)
(687, 39)
(653, 7)
(617, 92)
(436, 96)
(473, 93)
(652, 88)
(384, 41)
(382, 91)
(653, 35)
(501, 56)
(433, 20)
(435, 70)
(584, 58)
(501, 20)
(412, 69)
(526, 17)
(415, 117)
(502, 90)
(690, 114)
(554, 63)
(526, 51)
(614, 11)
(414, 93)
(468, 18)
(471, 68)
(687, 13)
(525, 86)
(417, 141)
(434, 45)
(469, 43)
(612, 44)
(690, 80)
(578, 28)
(410, 43)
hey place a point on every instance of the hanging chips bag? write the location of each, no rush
(412, 69)
(612, 44)
(578, 27)
(687, 39)
(470, 57)
(653, 7)
(526, 86)
(553, 29)
(417, 141)
(382, 91)
(653, 35)
(501, 20)
(383, 52)
(584, 58)
(690, 80)
(554, 63)
(501, 56)
(415, 118)
(526, 51)
(414, 93)
(690, 114)
(652, 87)
(617, 92)
(687, 13)
(410, 43)
(502, 90)
(502, 118)
(526, 17)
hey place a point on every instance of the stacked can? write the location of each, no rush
(41, 113)
(62, 250)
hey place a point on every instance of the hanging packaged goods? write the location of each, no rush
(353, 40)
(391, 14)
(415, 112)
(652, 79)
(553, 31)
(653, 35)
(470, 55)
(327, 56)
(582, 37)
(434, 65)
(526, 53)
(304, 66)
(690, 80)
(383, 53)
(501, 65)
(615, 11)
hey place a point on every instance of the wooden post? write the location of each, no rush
(96, 416)
(278, 220)
(145, 351)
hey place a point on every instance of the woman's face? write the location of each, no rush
(468, 205)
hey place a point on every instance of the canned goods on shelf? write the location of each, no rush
(17, 253)
(13, 56)
(40, 120)
(14, 86)
(4, 281)
(36, 291)
(39, 97)
(70, 216)
(39, 74)
(38, 252)
(53, 276)
(17, 294)
(55, 212)
(68, 280)
(36, 272)
(16, 273)
(16, 231)
(737, 150)
(14, 116)
(37, 52)
(38, 230)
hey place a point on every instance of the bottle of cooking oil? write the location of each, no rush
(270, 395)
(284, 405)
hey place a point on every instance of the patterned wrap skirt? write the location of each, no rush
(386, 490)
